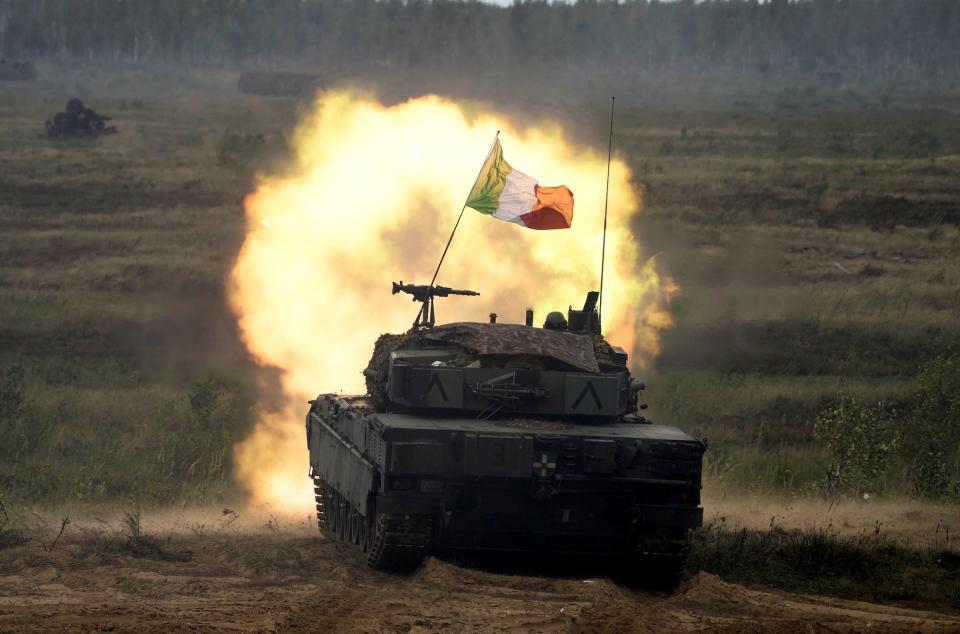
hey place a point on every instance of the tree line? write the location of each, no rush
(856, 37)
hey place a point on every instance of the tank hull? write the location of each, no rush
(515, 485)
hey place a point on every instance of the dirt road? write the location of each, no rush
(281, 577)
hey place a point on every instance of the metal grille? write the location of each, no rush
(570, 455)
(376, 450)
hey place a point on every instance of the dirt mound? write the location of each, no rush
(289, 580)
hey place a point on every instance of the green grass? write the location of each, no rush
(819, 560)
(141, 441)
(813, 235)
(113, 255)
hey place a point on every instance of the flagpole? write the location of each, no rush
(464, 208)
(606, 198)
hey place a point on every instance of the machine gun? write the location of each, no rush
(424, 294)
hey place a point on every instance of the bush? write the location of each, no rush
(861, 439)
(784, 140)
(820, 560)
(204, 396)
(9, 536)
(11, 409)
(11, 394)
(933, 430)
(864, 439)
(924, 144)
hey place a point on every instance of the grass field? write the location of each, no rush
(113, 256)
(814, 237)
(817, 253)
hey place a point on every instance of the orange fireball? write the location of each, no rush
(370, 199)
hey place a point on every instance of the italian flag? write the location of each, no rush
(511, 195)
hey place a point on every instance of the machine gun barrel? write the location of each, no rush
(423, 292)
(443, 291)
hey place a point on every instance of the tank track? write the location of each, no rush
(321, 507)
(392, 541)
(657, 560)
(400, 542)
(663, 544)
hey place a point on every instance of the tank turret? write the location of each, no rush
(563, 370)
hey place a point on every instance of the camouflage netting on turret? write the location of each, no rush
(376, 372)
(493, 345)
(483, 340)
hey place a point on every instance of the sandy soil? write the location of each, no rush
(212, 571)
(910, 521)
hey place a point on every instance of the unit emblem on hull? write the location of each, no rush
(545, 465)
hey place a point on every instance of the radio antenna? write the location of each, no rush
(606, 199)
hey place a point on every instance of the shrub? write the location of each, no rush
(11, 409)
(863, 439)
(821, 560)
(816, 191)
(923, 143)
(860, 438)
(9, 536)
(840, 142)
(933, 429)
(11, 394)
(784, 139)
(204, 396)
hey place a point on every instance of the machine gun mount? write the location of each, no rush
(424, 293)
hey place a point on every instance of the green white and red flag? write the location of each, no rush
(511, 195)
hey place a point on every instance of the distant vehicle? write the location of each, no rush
(12, 70)
(78, 121)
(279, 84)
(495, 436)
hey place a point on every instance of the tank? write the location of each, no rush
(508, 437)
(77, 120)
